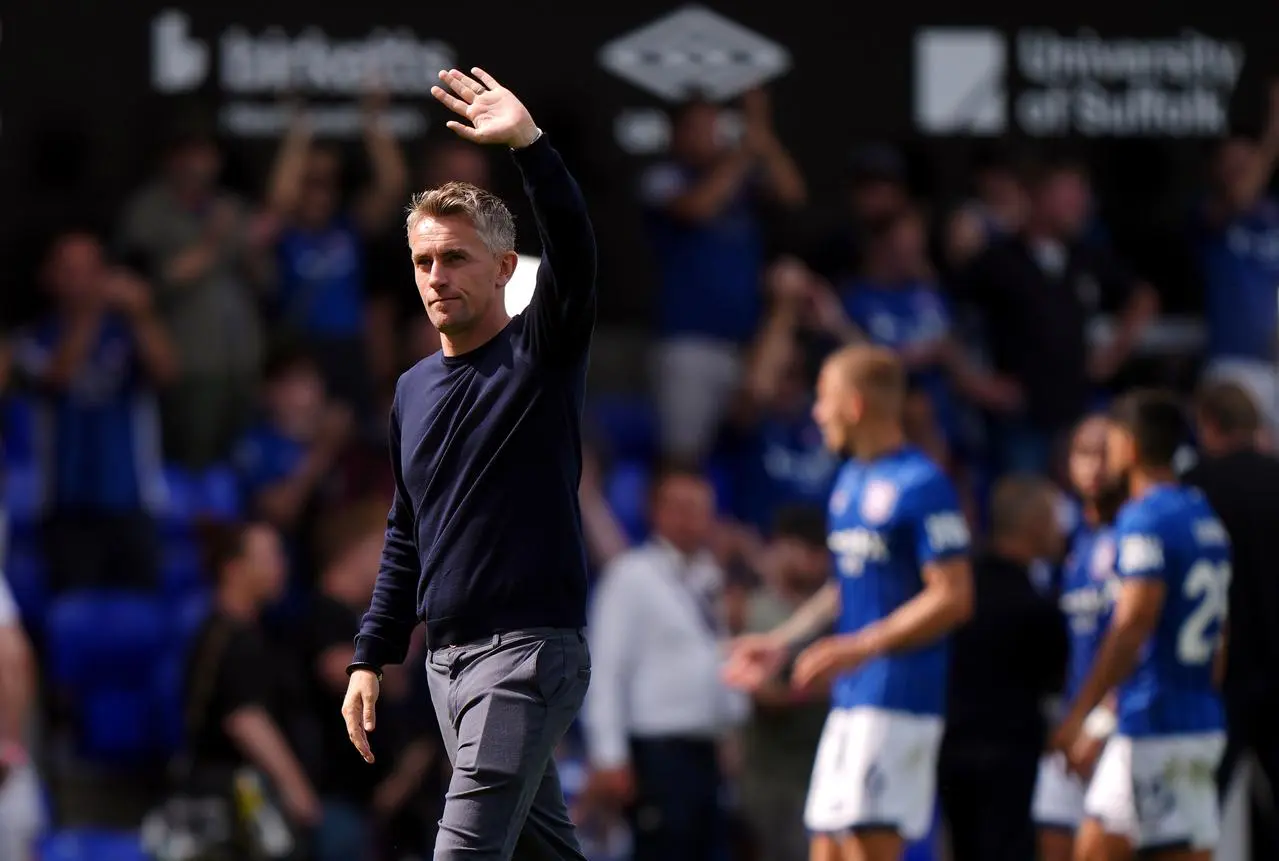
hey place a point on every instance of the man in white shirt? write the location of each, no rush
(657, 708)
(21, 814)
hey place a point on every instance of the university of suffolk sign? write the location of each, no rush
(1048, 83)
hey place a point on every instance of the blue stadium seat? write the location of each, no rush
(22, 490)
(181, 566)
(17, 429)
(166, 720)
(220, 494)
(29, 582)
(628, 424)
(626, 489)
(184, 500)
(87, 844)
(117, 724)
(187, 615)
(100, 638)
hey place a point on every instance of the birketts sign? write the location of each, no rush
(255, 71)
(693, 51)
(1045, 83)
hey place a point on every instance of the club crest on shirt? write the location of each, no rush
(878, 500)
(839, 501)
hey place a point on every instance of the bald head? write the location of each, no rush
(1023, 518)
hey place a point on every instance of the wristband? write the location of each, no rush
(1100, 723)
(358, 666)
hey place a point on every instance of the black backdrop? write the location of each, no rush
(80, 115)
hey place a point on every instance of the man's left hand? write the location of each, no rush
(496, 116)
(820, 663)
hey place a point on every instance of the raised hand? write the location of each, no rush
(496, 116)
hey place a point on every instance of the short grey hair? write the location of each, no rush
(486, 211)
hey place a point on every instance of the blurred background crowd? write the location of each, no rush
(196, 476)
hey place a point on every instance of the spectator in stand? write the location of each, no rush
(896, 302)
(359, 799)
(204, 252)
(770, 441)
(95, 364)
(284, 459)
(233, 681)
(1036, 293)
(1004, 665)
(704, 209)
(1238, 241)
(1242, 484)
(877, 191)
(780, 739)
(657, 710)
(996, 211)
(21, 807)
(322, 294)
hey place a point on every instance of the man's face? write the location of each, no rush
(320, 188)
(875, 199)
(1088, 459)
(696, 135)
(265, 563)
(684, 512)
(453, 163)
(75, 269)
(459, 279)
(1233, 168)
(1121, 455)
(296, 398)
(194, 167)
(802, 567)
(835, 409)
(1065, 201)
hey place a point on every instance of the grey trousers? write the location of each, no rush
(503, 705)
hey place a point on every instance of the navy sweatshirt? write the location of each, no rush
(484, 533)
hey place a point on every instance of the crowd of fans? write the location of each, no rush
(208, 340)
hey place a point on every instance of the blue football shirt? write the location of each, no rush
(1240, 267)
(888, 519)
(1088, 584)
(1173, 535)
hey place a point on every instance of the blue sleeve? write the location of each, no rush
(940, 529)
(388, 626)
(562, 310)
(1141, 548)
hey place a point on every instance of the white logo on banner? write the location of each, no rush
(691, 51)
(959, 82)
(273, 63)
(1073, 84)
(178, 62)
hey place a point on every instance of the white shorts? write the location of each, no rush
(1159, 792)
(874, 769)
(21, 813)
(1059, 794)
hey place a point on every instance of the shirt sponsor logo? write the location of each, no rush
(853, 548)
(1138, 553)
(946, 531)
